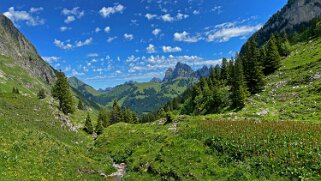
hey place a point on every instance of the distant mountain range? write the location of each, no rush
(143, 97)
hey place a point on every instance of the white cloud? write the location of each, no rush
(35, 10)
(128, 36)
(70, 19)
(184, 36)
(196, 12)
(97, 30)
(83, 43)
(167, 18)
(217, 9)
(92, 55)
(76, 73)
(224, 32)
(62, 45)
(110, 39)
(181, 16)
(23, 16)
(118, 72)
(67, 45)
(169, 49)
(107, 11)
(107, 29)
(150, 16)
(156, 31)
(72, 14)
(151, 48)
(64, 28)
(51, 59)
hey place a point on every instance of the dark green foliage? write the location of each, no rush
(88, 125)
(99, 127)
(238, 88)
(80, 105)
(41, 94)
(61, 91)
(103, 117)
(15, 90)
(253, 70)
(116, 113)
(225, 70)
(272, 58)
(282, 44)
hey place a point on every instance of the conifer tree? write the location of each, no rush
(282, 44)
(103, 117)
(116, 113)
(253, 70)
(61, 91)
(217, 71)
(238, 89)
(15, 90)
(99, 127)
(225, 71)
(88, 125)
(80, 105)
(273, 58)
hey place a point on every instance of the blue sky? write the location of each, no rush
(106, 42)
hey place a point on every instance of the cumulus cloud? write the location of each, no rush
(62, 45)
(153, 63)
(24, 16)
(97, 30)
(128, 36)
(67, 45)
(72, 14)
(150, 16)
(51, 59)
(35, 10)
(184, 37)
(110, 39)
(107, 11)
(156, 31)
(151, 48)
(84, 43)
(107, 29)
(169, 49)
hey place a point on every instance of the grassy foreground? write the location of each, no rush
(203, 149)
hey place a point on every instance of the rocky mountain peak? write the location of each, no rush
(15, 45)
(156, 80)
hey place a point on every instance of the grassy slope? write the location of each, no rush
(215, 148)
(33, 145)
(293, 92)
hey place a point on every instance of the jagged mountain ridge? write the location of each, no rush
(293, 14)
(15, 45)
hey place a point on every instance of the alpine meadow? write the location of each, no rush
(160, 90)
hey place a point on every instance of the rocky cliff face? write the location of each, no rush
(183, 70)
(296, 12)
(15, 45)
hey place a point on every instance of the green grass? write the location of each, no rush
(293, 92)
(34, 146)
(207, 149)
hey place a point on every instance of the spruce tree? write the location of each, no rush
(88, 125)
(99, 127)
(273, 58)
(80, 105)
(61, 91)
(217, 71)
(116, 113)
(225, 71)
(253, 70)
(103, 117)
(238, 89)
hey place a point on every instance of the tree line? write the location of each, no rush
(230, 84)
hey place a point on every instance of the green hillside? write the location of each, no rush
(139, 97)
